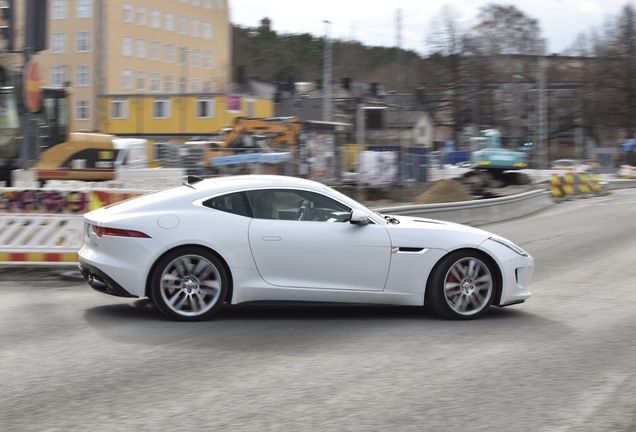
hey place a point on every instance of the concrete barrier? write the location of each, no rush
(478, 212)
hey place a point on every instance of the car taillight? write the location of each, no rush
(117, 232)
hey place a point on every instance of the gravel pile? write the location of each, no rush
(444, 191)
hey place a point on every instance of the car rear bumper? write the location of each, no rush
(101, 282)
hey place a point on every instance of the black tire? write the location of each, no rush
(189, 284)
(463, 285)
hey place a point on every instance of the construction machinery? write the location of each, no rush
(46, 127)
(39, 140)
(492, 165)
(489, 155)
(254, 135)
(90, 157)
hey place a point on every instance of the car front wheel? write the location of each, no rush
(189, 284)
(463, 285)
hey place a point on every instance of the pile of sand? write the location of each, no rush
(443, 191)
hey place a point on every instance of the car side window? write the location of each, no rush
(231, 203)
(264, 204)
(298, 205)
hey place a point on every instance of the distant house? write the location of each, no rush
(389, 119)
(393, 127)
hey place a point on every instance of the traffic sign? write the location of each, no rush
(31, 85)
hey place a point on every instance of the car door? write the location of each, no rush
(328, 253)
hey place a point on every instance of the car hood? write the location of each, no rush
(433, 233)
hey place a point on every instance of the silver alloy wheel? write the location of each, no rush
(191, 285)
(468, 286)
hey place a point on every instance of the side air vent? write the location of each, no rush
(411, 249)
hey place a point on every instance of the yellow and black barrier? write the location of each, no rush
(570, 185)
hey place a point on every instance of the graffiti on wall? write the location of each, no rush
(57, 201)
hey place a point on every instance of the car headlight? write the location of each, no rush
(510, 245)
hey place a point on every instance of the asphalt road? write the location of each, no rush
(75, 360)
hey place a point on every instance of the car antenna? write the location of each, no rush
(193, 180)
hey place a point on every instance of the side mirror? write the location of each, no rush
(358, 217)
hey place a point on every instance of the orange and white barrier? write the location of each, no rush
(40, 239)
(627, 172)
(556, 187)
(45, 226)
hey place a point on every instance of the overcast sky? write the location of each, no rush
(374, 22)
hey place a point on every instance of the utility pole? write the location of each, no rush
(400, 69)
(327, 96)
(542, 113)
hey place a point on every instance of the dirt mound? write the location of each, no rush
(443, 191)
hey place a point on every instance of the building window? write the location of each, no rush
(141, 15)
(204, 108)
(126, 48)
(126, 79)
(183, 85)
(195, 58)
(207, 4)
(169, 53)
(195, 85)
(58, 43)
(208, 87)
(169, 22)
(207, 30)
(83, 41)
(59, 9)
(127, 13)
(119, 109)
(168, 84)
(220, 4)
(83, 9)
(82, 76)
(161, 108)
(183, 24)
(196, 2)
(207, 60)
(155, 19)
(155, 51)
(58, 76)
(141, 48)
(141, 80)
(195, 27)
(183, 56)
(82, 109)
(155, 79)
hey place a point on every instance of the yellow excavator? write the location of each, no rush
(249, 137)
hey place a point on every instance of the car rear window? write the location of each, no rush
(231, 203)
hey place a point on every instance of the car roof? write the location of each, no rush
(251, 181)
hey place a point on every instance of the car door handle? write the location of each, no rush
(271, 238)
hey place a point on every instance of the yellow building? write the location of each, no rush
(154, 68)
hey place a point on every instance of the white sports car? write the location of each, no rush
(192, 248)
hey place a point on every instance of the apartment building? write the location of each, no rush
(126, 49)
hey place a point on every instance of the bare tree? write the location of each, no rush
(445, 38)
(617, 76)
(505, 30)
(446, 34)
(581, 47)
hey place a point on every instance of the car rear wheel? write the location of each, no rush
(189, 284)
(463, 285)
